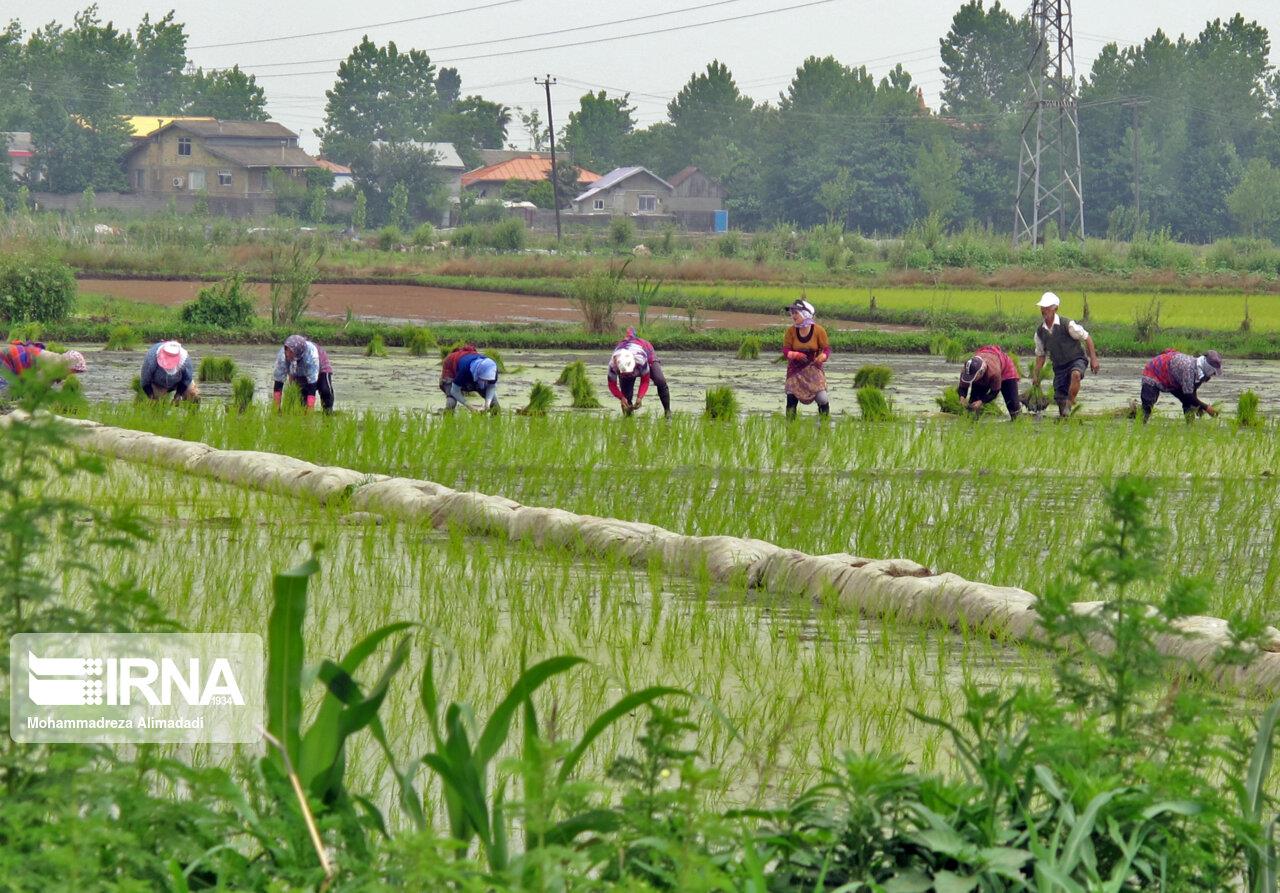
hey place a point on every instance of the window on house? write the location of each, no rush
(184, 145)
(224, 178)
(195, 180)
(648, 203)
(139, 179)
(598, 204)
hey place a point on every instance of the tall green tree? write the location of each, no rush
(159, 60)
(1255, 201)
(710, 117)
(596, 135)
(380, 94)
(472, 124)
(229, 94)
(389, 168)
(984, 61)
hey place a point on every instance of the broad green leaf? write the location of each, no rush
(625, 705)
(1260, 763)
(949, 882)
(285, 653)
(910, 882)
(495, 730)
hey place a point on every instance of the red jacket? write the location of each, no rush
(21, 355)
(449, 369)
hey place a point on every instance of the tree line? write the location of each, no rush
(1177, 134)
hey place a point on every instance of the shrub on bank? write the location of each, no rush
(228, 305)
(35, 290)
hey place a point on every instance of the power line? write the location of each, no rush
(596, 40)
(476, 43)
(434, 15)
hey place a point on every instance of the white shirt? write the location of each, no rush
(1074, 329)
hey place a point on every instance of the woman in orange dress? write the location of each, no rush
(806, 349)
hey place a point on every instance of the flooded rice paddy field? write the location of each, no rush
(797, 681)
(400, 381)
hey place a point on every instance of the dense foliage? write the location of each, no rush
(35, 290)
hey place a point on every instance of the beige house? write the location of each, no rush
(693, 190)
(626, 190)
(218, 158)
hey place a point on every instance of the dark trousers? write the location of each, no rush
(323, 388)
(793, 403)
(1008, 390)
(627, 384)
(1151, 393)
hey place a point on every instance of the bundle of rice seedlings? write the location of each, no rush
(749, 349)
(135, 385)
(291, 398)
(874, 405)
(419, 341)
(574, 370)
(242, 392)
(122, 338)
(872, 376)
(1247, 415)
(216, 369)
(497, 358)
(377, 347)
(949, 401)
(541, 397)
(584, 395)
(722, 403)
(69, 398)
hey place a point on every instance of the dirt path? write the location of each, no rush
(420, 303)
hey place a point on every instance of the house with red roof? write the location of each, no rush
(487, 181)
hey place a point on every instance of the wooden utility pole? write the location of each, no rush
(551, 132)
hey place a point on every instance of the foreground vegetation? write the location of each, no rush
(1052, 772)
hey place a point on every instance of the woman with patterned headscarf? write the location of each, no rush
(306, 364)
(806, 349)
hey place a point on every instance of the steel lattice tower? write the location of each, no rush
(1049, 155)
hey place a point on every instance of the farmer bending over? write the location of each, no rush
(19, 356)
(306, 364)
(468, 370)
(634, 358)
(1061, 340)
(987, 373)
(807, 349)
(1181, 375)
(166, 369)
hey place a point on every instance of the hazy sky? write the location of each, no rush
(485, 40)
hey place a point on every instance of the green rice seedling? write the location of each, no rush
(55, 346)
(69, 398)
(722, 403)
(122, 338)
(377, 347)
(874, 405)
(947, 347)
(584, 394)
(419, 341)
(541, 397)
(217, 369)
(242, 392)
(26, 331)
(135, 385)
(1247, 415)
(949, 401)
(291, 399)
(571, 372)
(873, 376)
(497, 359)
(1017, 363)
(749, 349)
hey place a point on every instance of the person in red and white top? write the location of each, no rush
(632, 360)
(987, 373)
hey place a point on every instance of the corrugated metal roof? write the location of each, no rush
(262, 156)
(530, 167)
(616, 176)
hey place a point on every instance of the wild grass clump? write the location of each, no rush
(541, 397)
(575, 378)
(722, 403)
(218, 369)
(597, 295)
(874, 405)
(419, 341)
(872, 376)
(122, 338)
(1247, 415)
(242, 393)
(749, 349)
(377, 347)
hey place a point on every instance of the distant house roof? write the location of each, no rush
(616, 176)
(262, 156)
(497, 156)
(145, 125)
(19, 143)
(333, 166)
(211, 127)
(446, 155)
(682, 176)
(528, 167)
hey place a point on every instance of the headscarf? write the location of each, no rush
(75, 361)
(295, 344)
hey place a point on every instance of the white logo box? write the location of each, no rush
(136, 688)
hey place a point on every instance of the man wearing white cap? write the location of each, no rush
(1065, 343)
(167, 369)
(634, 359)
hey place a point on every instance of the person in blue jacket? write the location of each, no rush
(167, 369)
(470, 371)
